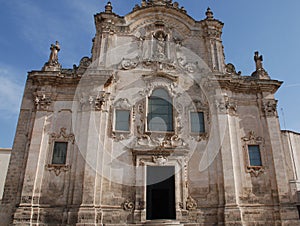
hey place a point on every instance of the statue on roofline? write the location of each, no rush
(55, 48)
(53, 64)
(258, 61)
(260, 72)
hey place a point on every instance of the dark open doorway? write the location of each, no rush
(160, 192)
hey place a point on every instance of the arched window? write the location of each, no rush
(160, 111)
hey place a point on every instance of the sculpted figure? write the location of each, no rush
(55, 48)
(260, 72)
(258, 61)
(161, 44)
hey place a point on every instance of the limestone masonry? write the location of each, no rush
(153, 129)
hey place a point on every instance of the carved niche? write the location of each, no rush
(160, 49)
(62, 136)
(252, 139)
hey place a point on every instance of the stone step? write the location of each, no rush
(163, 223)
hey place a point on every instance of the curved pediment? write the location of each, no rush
(170, 77)
(158, 17)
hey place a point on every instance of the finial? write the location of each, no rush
(144, 3)
(209, 14)
(108, 7)
(183, 9)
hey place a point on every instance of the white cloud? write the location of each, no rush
(292, 85)
(11, 92)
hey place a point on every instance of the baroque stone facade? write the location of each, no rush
(154, 128)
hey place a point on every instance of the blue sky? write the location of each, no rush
(28, 27)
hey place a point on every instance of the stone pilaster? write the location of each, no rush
(231, 168)
(31, 192)
(93, 145)
(288, 213)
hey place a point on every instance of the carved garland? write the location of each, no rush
(62, 136)
(58, 169)
(164, 141)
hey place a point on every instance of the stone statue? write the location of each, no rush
(55, 48)
(258, 61)
(53, 64)
(260, 72)
(161, 45)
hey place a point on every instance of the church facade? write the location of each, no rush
(153, 129)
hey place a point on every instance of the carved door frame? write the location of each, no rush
(174, 158)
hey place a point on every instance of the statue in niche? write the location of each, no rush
(258, 61)
(161, 38)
